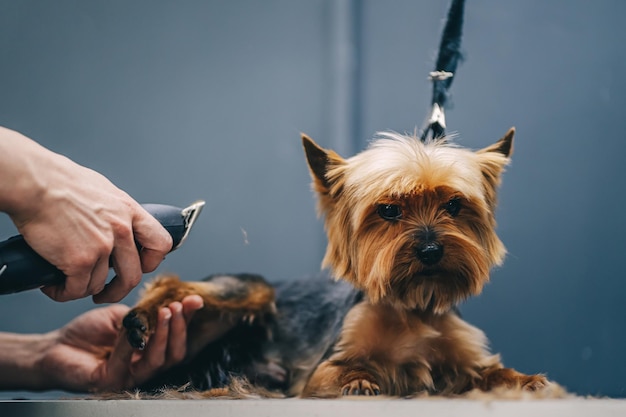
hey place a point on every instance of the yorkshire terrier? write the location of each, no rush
(411, 234)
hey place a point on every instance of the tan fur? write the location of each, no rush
(420, 178)
(239, 388)
(218, 315)
(405, 353)
(404, 339)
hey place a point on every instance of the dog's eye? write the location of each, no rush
(453, 206)
(389, 211)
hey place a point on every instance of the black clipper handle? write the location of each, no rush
(21, 268)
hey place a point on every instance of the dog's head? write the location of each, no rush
(411, 223)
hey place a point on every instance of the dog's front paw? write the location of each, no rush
(360, 387)
(510, 378)
(137, 325)
(534, 382)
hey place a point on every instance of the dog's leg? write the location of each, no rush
(382, 351)
(355, 368)
(332, 379)
(509, 378)
(228, 299)
(465, 362)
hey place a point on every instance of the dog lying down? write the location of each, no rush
(411, 234)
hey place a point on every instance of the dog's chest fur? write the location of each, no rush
(415, 348)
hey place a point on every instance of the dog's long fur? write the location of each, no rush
(411, 233)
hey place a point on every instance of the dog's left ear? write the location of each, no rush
(320, 162)
(504, 146)
(493, 159)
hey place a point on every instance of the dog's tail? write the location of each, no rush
(445, 69)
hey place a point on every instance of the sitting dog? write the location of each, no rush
(411, 234)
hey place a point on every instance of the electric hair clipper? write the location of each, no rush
(21, 268)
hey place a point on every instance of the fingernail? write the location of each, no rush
(168, 314)
(176, 307)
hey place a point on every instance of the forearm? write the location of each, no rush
(20, 186)
(20, 359)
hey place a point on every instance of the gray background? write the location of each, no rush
(176, 101)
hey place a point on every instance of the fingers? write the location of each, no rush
(127, 267)
(177, 341)
(155, 241)
(118, 373)
(167, 346)
(97, 240)
(81, 285)
(128, 264)
(154, 356)
(191, 304)
(122, 371)
(98, 276)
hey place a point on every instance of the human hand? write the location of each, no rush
(90, 353)
(76, 219)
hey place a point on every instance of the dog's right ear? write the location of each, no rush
(320, 162)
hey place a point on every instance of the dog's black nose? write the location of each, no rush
(429, 253)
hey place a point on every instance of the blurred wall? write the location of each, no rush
(178, 101)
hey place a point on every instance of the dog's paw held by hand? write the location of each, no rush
(137, 325)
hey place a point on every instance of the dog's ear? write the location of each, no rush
(504, 146)
(493, 159)
(320, 162)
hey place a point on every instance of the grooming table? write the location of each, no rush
(362, 407)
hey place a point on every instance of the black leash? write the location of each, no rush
(445, 69)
